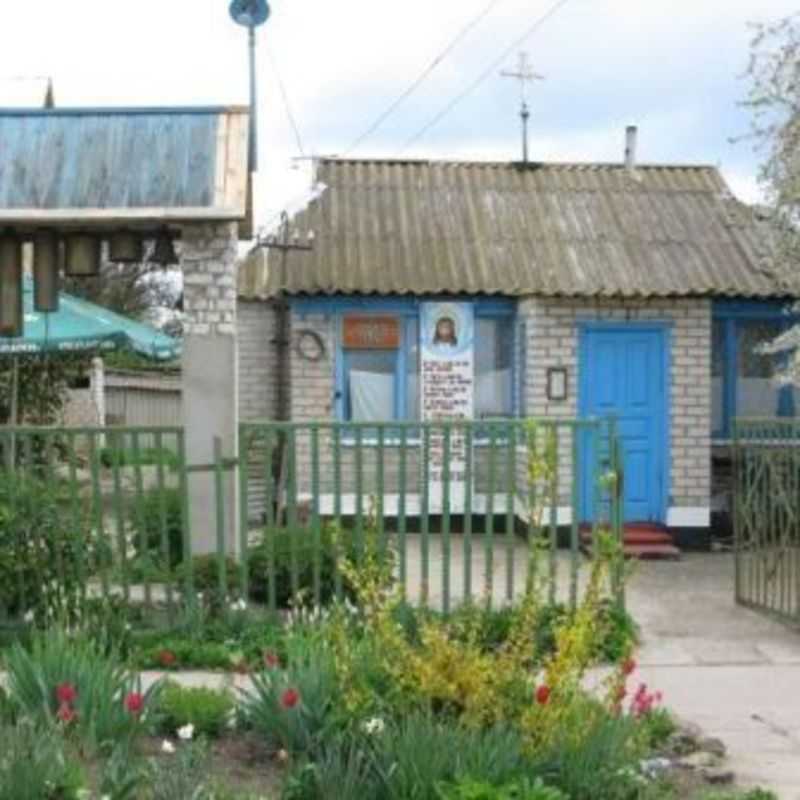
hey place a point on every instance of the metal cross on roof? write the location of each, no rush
(525, 75)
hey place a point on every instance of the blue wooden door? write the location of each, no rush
(623, 372)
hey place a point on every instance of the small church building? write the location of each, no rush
(635, 290)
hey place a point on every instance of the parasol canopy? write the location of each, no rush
(80, 326)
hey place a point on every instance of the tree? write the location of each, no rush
(774, 101)
(128, 289)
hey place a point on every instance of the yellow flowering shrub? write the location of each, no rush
(449, 671)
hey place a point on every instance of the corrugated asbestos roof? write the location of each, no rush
(385, 227)
(123, 163)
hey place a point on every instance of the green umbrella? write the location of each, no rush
(80, 326)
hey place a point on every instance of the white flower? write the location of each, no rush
(167, 747)
(374, 726)
(186, 733)
(239, 605)
(29, 616)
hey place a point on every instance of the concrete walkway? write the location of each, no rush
(732, 671)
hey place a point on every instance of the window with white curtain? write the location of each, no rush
(494, 362)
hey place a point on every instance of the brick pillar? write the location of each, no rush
(210, 374)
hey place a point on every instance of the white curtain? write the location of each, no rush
(493, 392)
(371, 396)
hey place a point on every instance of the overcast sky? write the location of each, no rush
(673, 67)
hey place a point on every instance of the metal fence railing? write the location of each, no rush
(766, 505)
(95, 512)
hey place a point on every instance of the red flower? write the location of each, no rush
(134, 703)
(167, 658)
(543, 695)
(271, 660)
(629, 666)
(66, 694)
(66, 713)
(290, 698)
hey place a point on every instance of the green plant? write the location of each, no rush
(207, 710)
(183, 774)
(419, 753)
(592, 753)
(294, 707)
(524, 789)
(657, 726)
(44, 551)
(35, 764)
(341, 770)
(157, 522)
(73, 684)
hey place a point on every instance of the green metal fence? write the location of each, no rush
(455, 504)
(766, 506)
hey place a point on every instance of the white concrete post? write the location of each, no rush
(97, 390)
(210, 375)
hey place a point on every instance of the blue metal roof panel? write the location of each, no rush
(123, 159)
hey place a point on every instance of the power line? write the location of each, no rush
(286, 104)
(423, 75)
(487, 73)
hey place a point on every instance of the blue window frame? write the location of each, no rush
(387, 382)
(742, 378)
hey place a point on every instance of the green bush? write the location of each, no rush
(187, 653)
(657, 726)
(208, 710)
(44, 549)
(146, 522)
(288, 546)
(147, 456)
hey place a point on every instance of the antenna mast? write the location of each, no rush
(525, 75)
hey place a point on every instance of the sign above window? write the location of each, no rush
(371, 333)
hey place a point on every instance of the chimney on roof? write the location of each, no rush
(631, 140)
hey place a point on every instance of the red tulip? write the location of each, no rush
(134, 703)
(167, 658)
(66, 713)
(66, 694)
(543, 695)
(290, 698)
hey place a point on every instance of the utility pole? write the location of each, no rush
(525, 75)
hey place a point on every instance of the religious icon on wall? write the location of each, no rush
(445, 332)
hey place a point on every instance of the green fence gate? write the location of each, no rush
(766, 506)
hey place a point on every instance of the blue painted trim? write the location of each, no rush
(408, 309)
(753, 309)
(122, 111)
(664, 327)
(731, 312)
(338, 304)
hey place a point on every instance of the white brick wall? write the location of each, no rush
(258, 361)
(552, 338)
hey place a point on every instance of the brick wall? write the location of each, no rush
(258, 361)
(552, 340)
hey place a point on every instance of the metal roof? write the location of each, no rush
(95, 165)
(422, 227)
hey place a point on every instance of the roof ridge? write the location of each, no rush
(597, 165)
